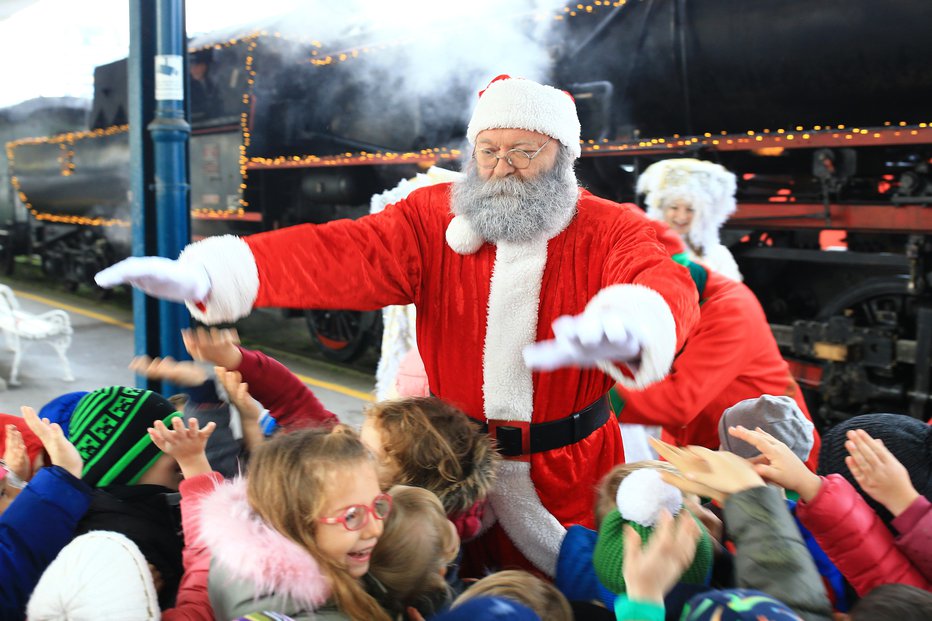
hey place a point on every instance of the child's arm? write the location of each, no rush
(187, 446)
(238, 394)
(652, 570)
(42, 519)
(288, 400)
(181, 373)
(887, 481)
(836, 515)
(771, 555)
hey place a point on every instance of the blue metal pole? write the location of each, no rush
(170, 133)
(140, 88)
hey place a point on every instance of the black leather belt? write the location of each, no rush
(516, 438)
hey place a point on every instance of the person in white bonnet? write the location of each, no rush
(100, 576)
(533, 298)
(694, 198)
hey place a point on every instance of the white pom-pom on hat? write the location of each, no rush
(642, 494)
(515, 103)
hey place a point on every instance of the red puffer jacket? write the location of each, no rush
(855, 538)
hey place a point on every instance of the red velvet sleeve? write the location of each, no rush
(716, 354)
(637, 257)
(289, 401)
(855, 539)
(362, 264)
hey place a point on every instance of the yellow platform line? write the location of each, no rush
(74, 309)
(364, 396)
(343, 390)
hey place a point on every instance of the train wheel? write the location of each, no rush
(341, 336)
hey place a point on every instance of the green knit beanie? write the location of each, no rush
(109, 429)
(609, 554)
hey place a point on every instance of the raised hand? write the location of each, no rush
(781, 465)
(238, 394)
(15, 456)
(652, 570)
(216, 346)
(585, 340)
(61, 452)
(185, 444)
(719, 471)
(159, 277)
(684, 461)
(878, 472)
(181, 373)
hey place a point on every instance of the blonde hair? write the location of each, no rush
(417, 544)
(436, 446)
(520, 586)
(286, 487)
(607, 488)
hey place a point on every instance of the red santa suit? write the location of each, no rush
(729, 357)
(477, 307)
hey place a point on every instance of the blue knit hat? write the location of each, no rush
(737, 605)
(489, 609)
(60, 409)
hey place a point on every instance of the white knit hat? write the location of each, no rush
(100, 576)
(708, 188)
(516, 103)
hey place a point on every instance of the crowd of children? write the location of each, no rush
(122, 504)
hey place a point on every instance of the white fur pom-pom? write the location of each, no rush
(461, 237)
(643, 494)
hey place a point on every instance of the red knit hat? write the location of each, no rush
(34, 446)
(516, 103)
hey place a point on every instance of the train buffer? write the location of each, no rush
(21, 328)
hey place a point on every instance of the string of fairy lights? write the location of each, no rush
(66, 143)
(765, 141)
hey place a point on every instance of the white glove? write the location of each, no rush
(584, 340)
(159, 277)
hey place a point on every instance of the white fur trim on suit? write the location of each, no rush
(526, 521)
(234, 277)
(508, 394)
(461, 237)
(515, 103)
(648, 316)
(514, 294)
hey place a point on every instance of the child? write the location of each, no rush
(99, 576)
(837, 515)
(524, 588)
(425, 442)
(297, 536)
(422, 442)
(414, 552)
(136, 483)
(42, 519)
(575, 576)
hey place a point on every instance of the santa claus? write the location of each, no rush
(533, 297)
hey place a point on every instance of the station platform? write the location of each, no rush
(102, 347)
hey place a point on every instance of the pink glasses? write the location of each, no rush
(357, 516)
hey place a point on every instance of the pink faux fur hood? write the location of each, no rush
(248, 549)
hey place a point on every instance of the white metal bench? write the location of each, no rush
(21, 328)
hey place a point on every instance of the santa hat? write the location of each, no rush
(640, 498)
(708, 188)
(516, 103)
(100, 575)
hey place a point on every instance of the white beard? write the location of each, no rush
(515, 210)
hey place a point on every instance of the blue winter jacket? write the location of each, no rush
(33, 530)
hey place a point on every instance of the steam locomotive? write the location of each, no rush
(818, 107)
